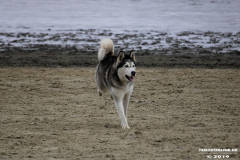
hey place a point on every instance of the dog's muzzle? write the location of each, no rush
(133, 73)
(132, 77)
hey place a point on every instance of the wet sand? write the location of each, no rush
(56, 113)
(144, 59)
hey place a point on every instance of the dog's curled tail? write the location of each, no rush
(106, 49)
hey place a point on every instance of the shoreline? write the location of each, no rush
(153, 48)
(151, 42)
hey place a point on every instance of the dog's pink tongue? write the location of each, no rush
(131, 78)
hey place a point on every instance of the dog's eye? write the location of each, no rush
(126, 66)
(133, 66)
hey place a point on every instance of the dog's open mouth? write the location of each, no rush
(129, 78)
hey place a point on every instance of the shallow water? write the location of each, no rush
(162, 15)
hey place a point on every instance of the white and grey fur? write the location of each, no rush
(115, 74)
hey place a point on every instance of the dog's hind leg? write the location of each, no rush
(99, 93)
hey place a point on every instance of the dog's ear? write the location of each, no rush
(121, 55)
(132, 55)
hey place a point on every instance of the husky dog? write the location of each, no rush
(115, 74)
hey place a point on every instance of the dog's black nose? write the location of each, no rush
(133, 73)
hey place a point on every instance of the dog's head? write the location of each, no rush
(126, 66)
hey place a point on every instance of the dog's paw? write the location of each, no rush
(125, 126)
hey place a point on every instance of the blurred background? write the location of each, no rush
(118, 16)
(157, 27)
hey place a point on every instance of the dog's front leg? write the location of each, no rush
(125, 103)
(126, 99)
(121, 114)
(119, 105)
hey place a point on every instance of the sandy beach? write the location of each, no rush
(56, 113)
(186, 96)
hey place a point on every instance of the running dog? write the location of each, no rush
(115, 74)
